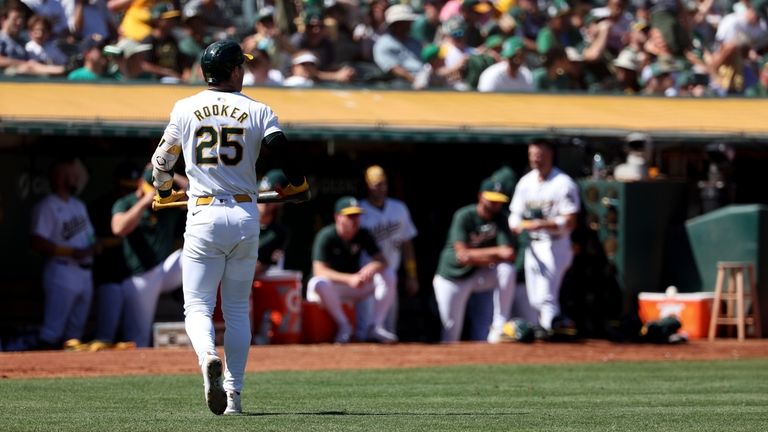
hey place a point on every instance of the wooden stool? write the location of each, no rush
(735, 309)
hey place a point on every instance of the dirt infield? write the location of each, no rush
(362, 356)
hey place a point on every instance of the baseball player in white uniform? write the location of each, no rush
(545, 204)
(220, 132)
(62, 231)
(389, 221)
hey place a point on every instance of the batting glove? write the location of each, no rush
(301, 191)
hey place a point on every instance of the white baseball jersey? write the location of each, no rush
(63, 223)
(220, 134)
(390, 226)
(557, 195)
(496, 79)
(549, 255)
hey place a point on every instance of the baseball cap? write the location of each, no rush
(127, 174)
(558, 8)
(399, 12)
(347, 206)
(627, 60)
(272, 179)
(165, 10)
(93, 41)
(375, 175)
(265, 12)
(147, 184)
(429, 52)
(313, 17)
(494, 41)
(306, 57)
(127, 48)
(493, 190)
(596, 14)
(508, 179)
(455, 26)
(511, 46)
(478, 6)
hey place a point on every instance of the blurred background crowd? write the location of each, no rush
(654, 47)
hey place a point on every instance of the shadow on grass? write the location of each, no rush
(364, 414)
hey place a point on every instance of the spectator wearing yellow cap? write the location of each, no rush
(432, 74)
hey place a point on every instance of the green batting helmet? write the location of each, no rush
(220, 59)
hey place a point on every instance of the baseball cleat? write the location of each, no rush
(495, 335)
(74, 345)
(215, 395)
(381, 335)
(234, 406)
(98, 345)
(344, 334)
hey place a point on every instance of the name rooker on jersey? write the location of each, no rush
(222, 111)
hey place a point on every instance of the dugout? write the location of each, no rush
(343, 131)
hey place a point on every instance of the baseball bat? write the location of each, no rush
(265, 197)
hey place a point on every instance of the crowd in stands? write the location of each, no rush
(653, 47)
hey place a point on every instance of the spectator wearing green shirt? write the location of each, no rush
(424, 28)
(94, 61)
(558, 32)
(338, 276)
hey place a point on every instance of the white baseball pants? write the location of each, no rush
(135, 298)
(545, 265)
(221, 245)
(331, 295)
(452, 296)
(386, 284)
(68, 291)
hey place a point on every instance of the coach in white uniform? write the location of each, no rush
(389, 221)
(62, 231)
(220, 132)
(545, 203)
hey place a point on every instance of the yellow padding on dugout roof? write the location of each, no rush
(383, 109)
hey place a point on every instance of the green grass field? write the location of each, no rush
(670, 396)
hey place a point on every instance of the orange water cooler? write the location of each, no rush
(693, 310)
(276, 308)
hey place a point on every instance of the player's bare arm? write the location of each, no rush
(319, 268)
(126, 222)
(377, 265)
(483, 256)
(556, 224)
